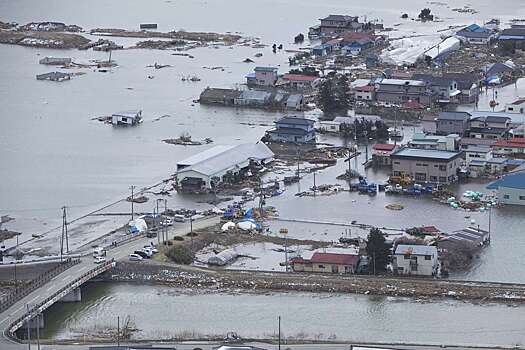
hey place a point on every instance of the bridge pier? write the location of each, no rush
(33, 323)
(74, 296)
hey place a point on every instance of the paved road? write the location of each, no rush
(60, 281)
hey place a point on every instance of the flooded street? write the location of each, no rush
(161, 313)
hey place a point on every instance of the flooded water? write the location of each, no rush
(52, 154)
(162, 312)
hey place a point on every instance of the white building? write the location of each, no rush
(208, 169)
(415, 260)
(517, 106)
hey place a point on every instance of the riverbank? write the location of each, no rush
(213, 280)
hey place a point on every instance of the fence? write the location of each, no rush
(38, 308)
(36, 283)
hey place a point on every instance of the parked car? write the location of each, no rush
(179, 218)
(152, 248)
(142, 254)
(135, 257)
(98, 252)
(99, 259)
(147, 251)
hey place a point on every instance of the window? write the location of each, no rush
(421, 176)
(320, 266)
(522, 198)
(396, 163)
(433, 178)
(443, 167)
(427, 257)
(407, 257)
(506, 196)
(442, 179)
(397, 173)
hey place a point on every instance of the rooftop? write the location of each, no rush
(408, 82)
(514, 180)
(295, 121)
(518, 102)
(340, 18)
(384, 147)
(299, 77)
(426, 153)
(434, 80)
(515, 143)
(219, 158)
(459, 116)
(404, 249)
(265, 69)
(333, 258)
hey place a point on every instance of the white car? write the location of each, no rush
(148, 252)
(99, 260)
(134, 257)
(151, 248)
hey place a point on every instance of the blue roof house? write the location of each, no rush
(511, 188)
(322, 50)
(292, 130)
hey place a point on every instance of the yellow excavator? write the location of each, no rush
(403, 179)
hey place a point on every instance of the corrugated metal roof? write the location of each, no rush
(425, 153)
(516, 180)
(454, 116)
(230, 158)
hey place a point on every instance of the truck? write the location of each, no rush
(99, 251)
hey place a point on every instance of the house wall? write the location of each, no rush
(472, 155)
(446, 127)
(429, 126)
(364, 95)
(265, 78)
(415, 265)
(515, 108)
(508, 195)
(277, 137)
(309, 127)
(426, 170)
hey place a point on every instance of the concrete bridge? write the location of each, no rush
(64, 281)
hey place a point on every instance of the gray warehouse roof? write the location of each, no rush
(454, 116)
(425, 153)
(215, 160)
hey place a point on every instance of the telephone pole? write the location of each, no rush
(64, 233)
(132, 188)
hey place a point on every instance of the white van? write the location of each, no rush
(99, 251)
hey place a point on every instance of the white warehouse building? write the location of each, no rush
(204, 171)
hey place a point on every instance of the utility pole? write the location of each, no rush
(118, 330)
(15, 256)
(191, 232)
(28, 330)
(64, 236)
(132, 193)
(284, 232)
(374, 255)
(315, 187)
(279, 318)
(38, 331)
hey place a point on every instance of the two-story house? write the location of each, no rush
(292, 130)
(425, 165)
(445, 88)
(468, 86)
(415, 260)
(489, 127)
(262, 76)
(452, 123)
(334, 24)
(400, 91)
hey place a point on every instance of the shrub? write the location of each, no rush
(178, 238)
(180, 255)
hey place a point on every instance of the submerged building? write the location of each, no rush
(206, 170)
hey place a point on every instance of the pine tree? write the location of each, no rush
(378, 251)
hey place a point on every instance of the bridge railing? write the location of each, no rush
(19, 293)
(59, 294)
